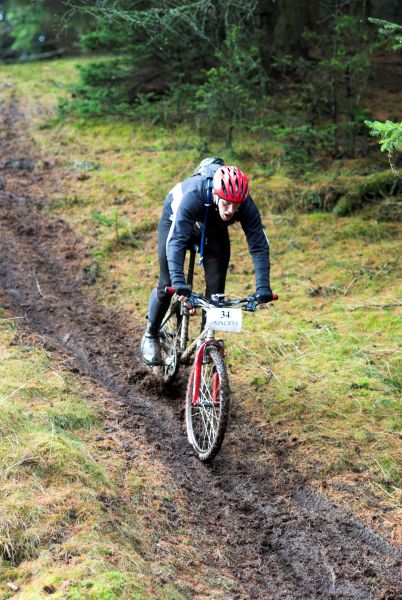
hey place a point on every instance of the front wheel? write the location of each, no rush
(207, 412)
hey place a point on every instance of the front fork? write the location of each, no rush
(201, 358)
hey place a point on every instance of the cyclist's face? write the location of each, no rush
(227, 209)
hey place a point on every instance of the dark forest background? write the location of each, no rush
(222, 66)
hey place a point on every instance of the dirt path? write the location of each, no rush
(278, 538)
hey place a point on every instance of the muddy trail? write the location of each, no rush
(279, 537)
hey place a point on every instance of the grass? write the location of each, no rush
(51, 484)
(74, 516)
(333, 350)
(323, 364)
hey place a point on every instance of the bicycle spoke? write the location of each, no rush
(206, 420)
(206, 415)
(209, 432)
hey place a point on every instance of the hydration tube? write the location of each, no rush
(204, 225)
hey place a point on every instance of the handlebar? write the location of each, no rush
(217, 300)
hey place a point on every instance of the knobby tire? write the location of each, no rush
(206, 422)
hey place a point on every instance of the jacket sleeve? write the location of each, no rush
(257, 241)
(180, 234)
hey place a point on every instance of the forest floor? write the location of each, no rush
(258, 523)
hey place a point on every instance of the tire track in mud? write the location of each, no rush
(279, 538)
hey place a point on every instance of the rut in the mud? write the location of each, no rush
(280, 538)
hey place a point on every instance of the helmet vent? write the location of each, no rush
(224, 188)
(231, 184)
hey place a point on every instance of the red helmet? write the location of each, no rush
(231, 184)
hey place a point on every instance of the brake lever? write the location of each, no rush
(251, 305)
(191, 304)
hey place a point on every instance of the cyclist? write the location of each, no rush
(201, 208)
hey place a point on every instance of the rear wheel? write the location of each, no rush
(169, 337)
(207, 417)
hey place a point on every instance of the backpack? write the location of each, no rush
(209, 166)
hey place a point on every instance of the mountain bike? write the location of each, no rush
(208, 394)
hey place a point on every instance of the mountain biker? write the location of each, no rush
(201, 208)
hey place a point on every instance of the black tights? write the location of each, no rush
(215, 261)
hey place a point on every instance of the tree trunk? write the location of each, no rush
(351, 125)
(295, 17)
(229, 137)
(281, 26)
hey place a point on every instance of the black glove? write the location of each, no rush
(263, 295)
(183, 290)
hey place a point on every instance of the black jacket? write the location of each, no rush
(185, 205)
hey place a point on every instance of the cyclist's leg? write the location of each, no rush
(216, 262)
(158, 302)
(157, 308)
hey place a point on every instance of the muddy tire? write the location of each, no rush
(206, 421)
(169, 336)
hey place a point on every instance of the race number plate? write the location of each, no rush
(224, 319)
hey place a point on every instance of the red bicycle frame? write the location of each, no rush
(198, 361)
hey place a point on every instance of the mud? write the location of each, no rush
(279, 538)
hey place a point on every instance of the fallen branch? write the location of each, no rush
(25, 461)
(34, 57)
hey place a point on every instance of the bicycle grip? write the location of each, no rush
(274, 297)
(169, 290)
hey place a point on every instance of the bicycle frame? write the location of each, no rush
(204, 339)
(208, 393)
(207, 336)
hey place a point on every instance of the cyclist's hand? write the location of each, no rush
(183, 292)
(263, 295)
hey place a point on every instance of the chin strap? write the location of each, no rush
(204, 225)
